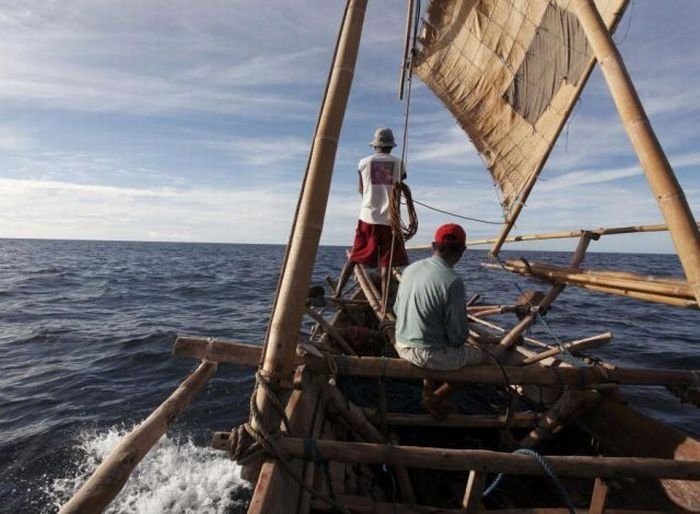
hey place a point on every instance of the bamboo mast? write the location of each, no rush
(669, 195)
(288, 312)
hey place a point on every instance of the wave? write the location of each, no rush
(175, 476)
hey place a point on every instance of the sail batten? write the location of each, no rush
(510, 72)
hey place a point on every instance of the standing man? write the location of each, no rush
(373, 237)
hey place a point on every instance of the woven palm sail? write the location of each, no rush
(509, 71)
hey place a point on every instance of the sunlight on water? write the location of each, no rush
(174, 477)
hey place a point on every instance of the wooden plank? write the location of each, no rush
(625, 431)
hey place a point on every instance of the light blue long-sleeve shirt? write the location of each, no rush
(430, 306)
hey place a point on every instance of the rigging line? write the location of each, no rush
(396, 217)
(629, 24)
(477, 220)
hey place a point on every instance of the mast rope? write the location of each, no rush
(395, 203)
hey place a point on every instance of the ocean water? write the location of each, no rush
(87, 329)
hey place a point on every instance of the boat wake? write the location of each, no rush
(175, 476)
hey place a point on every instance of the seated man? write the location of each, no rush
(431, 317)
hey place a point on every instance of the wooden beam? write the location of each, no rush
(517, 420)
(217, 350)
(495, 462)
(487, 374)
(365, 505)
(111, 475)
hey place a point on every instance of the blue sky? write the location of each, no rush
(191, 121)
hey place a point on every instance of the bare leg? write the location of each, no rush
(344, 276)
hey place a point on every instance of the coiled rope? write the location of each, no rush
(548, 471)
(398, 227)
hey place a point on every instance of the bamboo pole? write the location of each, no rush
(331, 331)
(512, 337)
(111, 475)
(669, 195)
(288, 311)
(371, 293)
(572, 347)
(597, 232)
(495, 462)
(406, 44)
(495, 327)
(628, 281)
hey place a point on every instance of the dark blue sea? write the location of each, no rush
(87, 329)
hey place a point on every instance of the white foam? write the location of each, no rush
(175, 476)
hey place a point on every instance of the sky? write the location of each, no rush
(155, 120)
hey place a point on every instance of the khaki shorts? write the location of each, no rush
(442, 359)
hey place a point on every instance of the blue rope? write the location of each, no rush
(548, 471)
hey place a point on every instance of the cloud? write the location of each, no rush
(42, 209)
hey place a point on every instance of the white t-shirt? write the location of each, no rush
(379, 173)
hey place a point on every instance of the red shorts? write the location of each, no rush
(373, 244)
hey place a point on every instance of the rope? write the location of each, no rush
(477, 220)
(267, 441)
(397, 225)
(548, 471)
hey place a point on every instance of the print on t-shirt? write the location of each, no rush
(382, 173)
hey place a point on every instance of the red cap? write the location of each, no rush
(451, 233)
